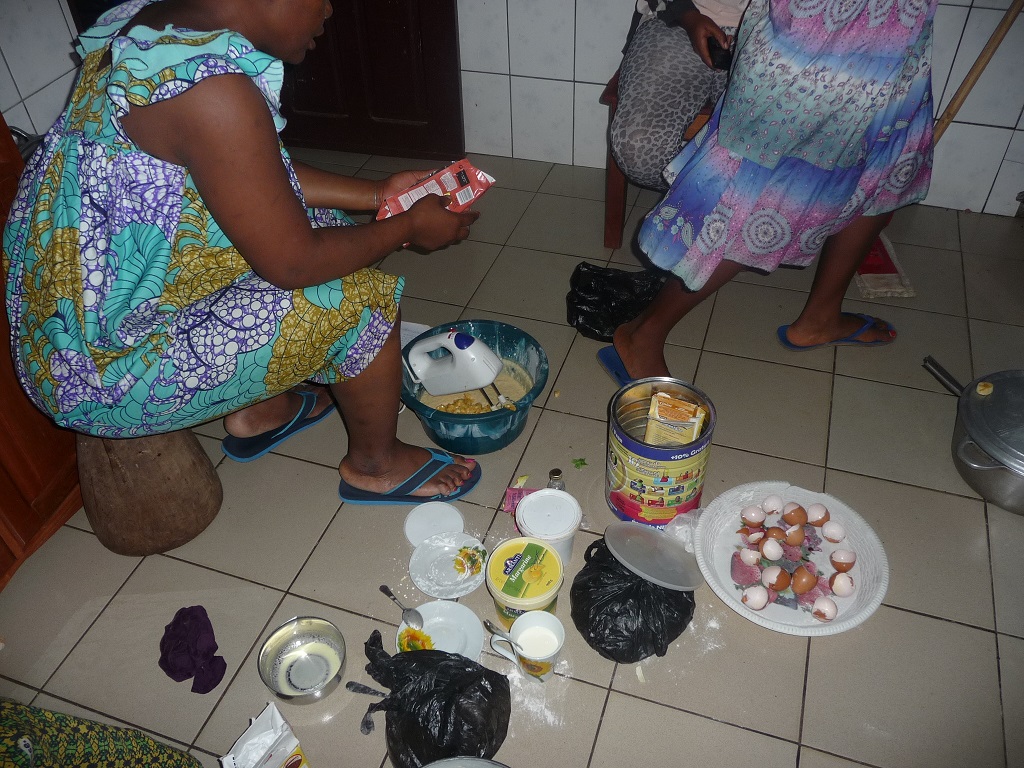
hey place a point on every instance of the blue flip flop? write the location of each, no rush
(402, 493)
(612, 363)
(850, 340)
(251, 448)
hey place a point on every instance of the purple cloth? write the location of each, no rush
(187, 650)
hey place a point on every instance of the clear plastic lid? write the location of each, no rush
(654, 555)
(429, 519)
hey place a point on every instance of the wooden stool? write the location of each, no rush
(146, 495)
(615, 181)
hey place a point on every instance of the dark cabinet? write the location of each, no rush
(383, 79)
(38, 469)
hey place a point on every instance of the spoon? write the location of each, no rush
(495, 630)
(410, 616)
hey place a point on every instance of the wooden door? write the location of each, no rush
(383, 79)
(38, 468)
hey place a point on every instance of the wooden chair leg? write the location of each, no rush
(614, 203)
(145, 495)
(614, 179)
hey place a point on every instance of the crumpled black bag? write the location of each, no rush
(623, 616)
(600, 299)
(441, 705)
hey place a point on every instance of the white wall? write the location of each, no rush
(532, 72)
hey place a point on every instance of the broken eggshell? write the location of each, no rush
(843, 559)
(755, 597)
(824, 609)
(772, 504)
(833, 531)
(841, 584)
(770, 549)
(794, 514)
(752, 516)
(817, 515)
(775, 578)
(803, 581)
(750, 556)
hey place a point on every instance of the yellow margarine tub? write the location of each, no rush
(523, 574)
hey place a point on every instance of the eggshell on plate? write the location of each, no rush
(752, 516)
(770, 549)
(843, 559)
(824, 609)
(841, 584)
(802, 581)
(817, 515)
(794, 514)
(775, 577)
(833, 531)
(755, 597)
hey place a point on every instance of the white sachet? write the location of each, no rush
(268, 742)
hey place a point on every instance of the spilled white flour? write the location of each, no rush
(538, 703)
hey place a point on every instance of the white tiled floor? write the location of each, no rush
(934, 678)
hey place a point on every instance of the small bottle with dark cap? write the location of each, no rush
(555, 480)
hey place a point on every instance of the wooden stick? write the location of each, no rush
(979, 66)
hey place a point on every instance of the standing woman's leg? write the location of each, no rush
(641, 342)
(822, 319)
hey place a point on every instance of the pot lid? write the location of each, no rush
(654, 555)
(994, 417)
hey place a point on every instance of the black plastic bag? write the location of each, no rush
(623, 616)
(600, 299)
(441, 705)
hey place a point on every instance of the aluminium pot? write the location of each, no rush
(988, 437)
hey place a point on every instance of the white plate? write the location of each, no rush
(430, 518)
(716, 540)
(451, 627)
(439, 568)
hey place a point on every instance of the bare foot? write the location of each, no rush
(805, 335)
(276, 412)
(640, 360)
(368, 475)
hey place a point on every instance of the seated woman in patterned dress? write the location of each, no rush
(167, 262)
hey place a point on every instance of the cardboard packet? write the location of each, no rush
(464, 182)
(671, 421)
(268, 742)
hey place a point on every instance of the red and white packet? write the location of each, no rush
(464, 182)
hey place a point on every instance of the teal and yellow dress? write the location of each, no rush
(131, 311)
(38, 738)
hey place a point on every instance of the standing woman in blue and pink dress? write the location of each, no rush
(824, 130)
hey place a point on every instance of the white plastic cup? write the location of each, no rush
(540, 636)
(552, 516)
